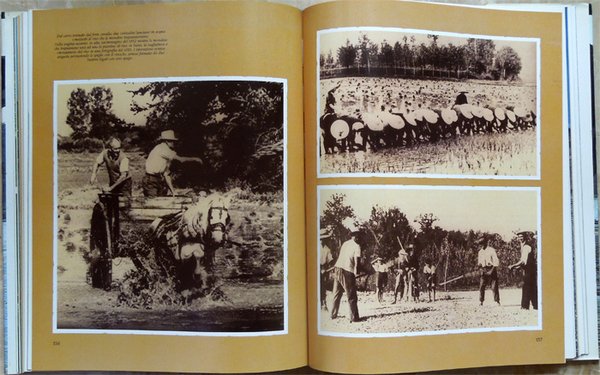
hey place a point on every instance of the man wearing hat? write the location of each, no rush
(401, 277)
(157, 180)
(117, 166)
(381, 277)
(344, 277)
(488, 263)
(325, 259)
(528, 263)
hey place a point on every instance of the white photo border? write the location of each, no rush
(258, 79)
(537, 41)
(538, 327)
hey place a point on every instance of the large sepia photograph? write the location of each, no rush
(399, 260)
(414, 103)
(170, 206)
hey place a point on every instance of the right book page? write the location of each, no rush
(434, 187)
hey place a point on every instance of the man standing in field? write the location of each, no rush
(488, 263)
(344, 277)
(528, 263)
(430, 277)
(413, 274)
(117, 166)
(157, 180)
(401, 269)
(325, 259)
(381, 277)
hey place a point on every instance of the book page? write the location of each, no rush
(434, 154)
(168, 195)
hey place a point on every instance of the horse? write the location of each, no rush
(188, 239)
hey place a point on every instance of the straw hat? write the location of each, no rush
(340, 129)
(168, 135)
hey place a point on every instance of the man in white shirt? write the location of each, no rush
(344, 277)
(157, 180)
(488, 263)
(528, 263)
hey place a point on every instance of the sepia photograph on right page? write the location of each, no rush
(434, 187)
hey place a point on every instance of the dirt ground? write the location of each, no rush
(456, 310)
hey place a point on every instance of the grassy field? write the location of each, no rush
(510, 154)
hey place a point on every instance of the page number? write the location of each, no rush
(55, 343)
(539, 339)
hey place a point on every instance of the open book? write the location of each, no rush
(360, 187)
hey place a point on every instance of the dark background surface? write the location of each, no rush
(585, 367)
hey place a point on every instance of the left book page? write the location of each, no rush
(168, 200)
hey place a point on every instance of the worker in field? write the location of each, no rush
(325, 262)
(117, 166)
(430, 277)
(528, 263)
(488, 263)
(331, 101)
(157, 181)
(344, 275)
(401, 274)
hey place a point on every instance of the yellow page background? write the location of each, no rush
(378, 355)
(226, 39)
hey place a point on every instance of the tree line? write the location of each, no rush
(478, 59)
(236, 127)
(386, 230)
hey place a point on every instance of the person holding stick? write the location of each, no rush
(429, 272)
(488, 263)
(117, 166)
(381, 277)
(528, 263)
(402, 272)
(344, 275)
(325, 259)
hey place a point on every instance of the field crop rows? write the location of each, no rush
(511, 154)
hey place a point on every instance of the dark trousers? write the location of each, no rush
(529, 291)
(344, 281)
(486, 278)
(154, 186)
(323, 289)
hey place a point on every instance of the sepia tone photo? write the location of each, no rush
(170, 206)
(394, 102)
(399, 260)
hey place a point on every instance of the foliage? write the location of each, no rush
(236, 127)
(477, 58)
(347, 54)
(336, 211)
(508, 63)
(453, 252)
(80, 144)
(387, 230)
(91, 115)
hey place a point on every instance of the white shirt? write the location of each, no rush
(349, 252)
(525, 250)
(487, 257)
(160, 158)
